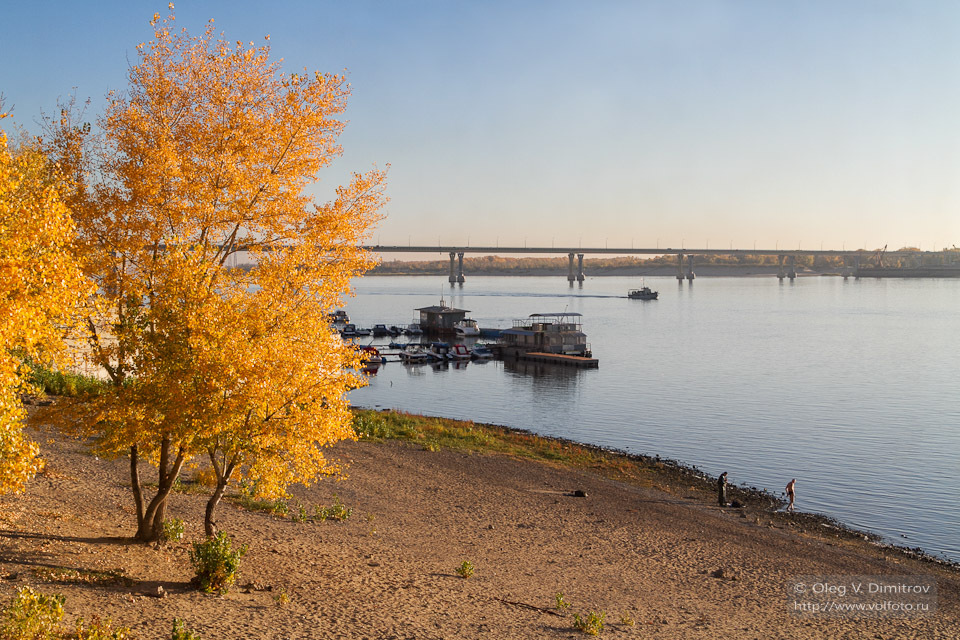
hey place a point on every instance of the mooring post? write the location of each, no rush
(460, 277)
(580, 276)
(690, 274)
(453, 274)
(570, 275)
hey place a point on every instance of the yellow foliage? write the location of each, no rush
(205, 157)
(40, 286)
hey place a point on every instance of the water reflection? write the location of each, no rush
(543, 374)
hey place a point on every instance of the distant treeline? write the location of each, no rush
(498, 265)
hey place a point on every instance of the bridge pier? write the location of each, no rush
(580, 276)
(460, 277)
(570, 275)
(690, 274)
(680, 267)
(453, 274)
(791, 267)
(780, 272)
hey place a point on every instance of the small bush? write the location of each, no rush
(338, 511)
(300, 515)
(180, 631)
(172, 530)
(100, 630)
(465, 570)
(561, 603)
(32, 616)
(592, 625)
(59, 383)
(215, 563)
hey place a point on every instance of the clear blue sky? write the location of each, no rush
(590, 123)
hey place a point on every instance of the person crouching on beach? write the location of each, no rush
(722, 489)
(791, 493)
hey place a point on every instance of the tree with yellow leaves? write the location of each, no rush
(205, 157)
(40, 286)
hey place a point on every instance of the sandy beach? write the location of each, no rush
(659, 563)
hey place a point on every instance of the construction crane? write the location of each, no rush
(878, 257)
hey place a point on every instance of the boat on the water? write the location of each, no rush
(380, 330)
(546, 333)
(439, 351)
(459, 352)
(467, 327)
(413, 329)
(481, 352)
(349, 330)
(643, 293)
(414, 354)
(371, 359)
(339, 317)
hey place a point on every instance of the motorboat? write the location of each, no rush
(394, 330)
(413, 329)
(380, 330)
(349, 330)
(459, 352)
(643, 293)
(438, 351)
(371, 359)
(339, 317)
(481, 352)
(467, 327)
(414, 354)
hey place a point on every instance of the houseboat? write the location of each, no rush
(548, 337)
(440, 320)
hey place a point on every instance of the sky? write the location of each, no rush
(832, 124)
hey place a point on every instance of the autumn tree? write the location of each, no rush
(40, 286)
(205, 157)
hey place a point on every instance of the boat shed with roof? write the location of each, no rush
(440, 318)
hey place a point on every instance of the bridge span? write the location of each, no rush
(852, 259)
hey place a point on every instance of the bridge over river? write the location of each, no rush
(923, 263)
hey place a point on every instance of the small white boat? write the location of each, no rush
(466, 327)
(459, 352)
(414, 354)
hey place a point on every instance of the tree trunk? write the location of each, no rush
(151, 524)
(209, 527)
(223, 479)
(135, 485)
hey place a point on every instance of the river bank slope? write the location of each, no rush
(657, 556)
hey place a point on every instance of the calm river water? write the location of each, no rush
(852, 387)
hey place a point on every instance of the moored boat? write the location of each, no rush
(414, 354)
(459, 352)
(438, 350)
(481, 352)
(467, 327)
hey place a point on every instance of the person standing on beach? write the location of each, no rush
(722, 489)
(791, 493)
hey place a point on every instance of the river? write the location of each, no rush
(850, 386)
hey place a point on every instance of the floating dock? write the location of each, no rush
(559, 358)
